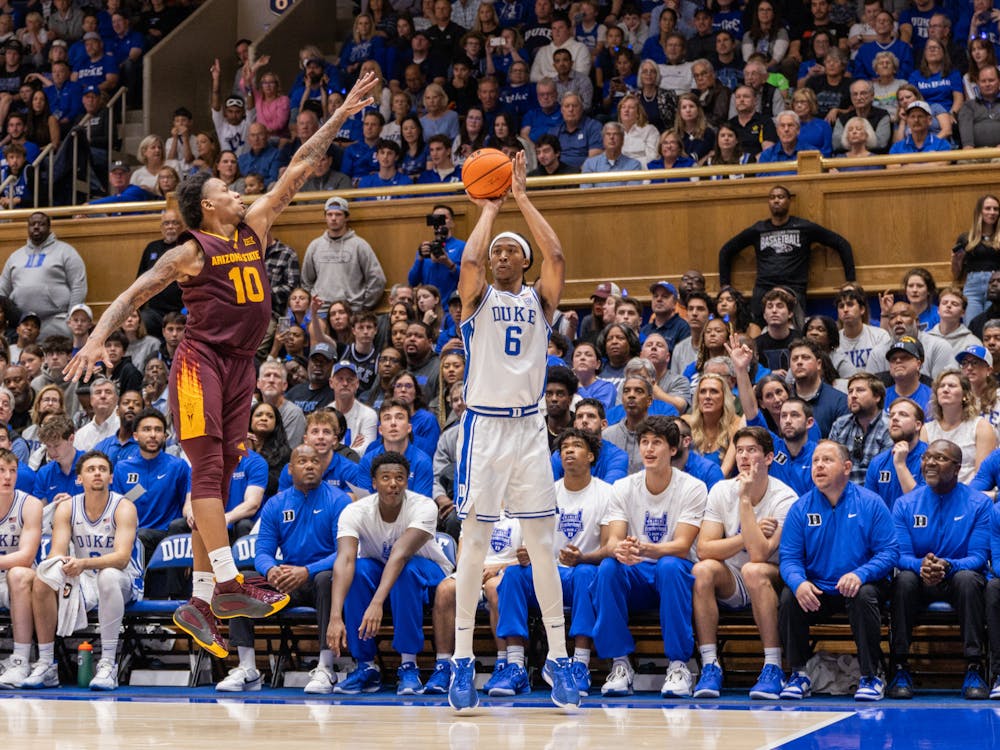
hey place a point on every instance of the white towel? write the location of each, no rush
(76, 595)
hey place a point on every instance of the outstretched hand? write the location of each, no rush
(519, 183)
(85, 361)
(357, 98)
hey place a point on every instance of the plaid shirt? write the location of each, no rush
(283, 272)
(864, 446)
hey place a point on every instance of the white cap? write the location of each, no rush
(81, 306)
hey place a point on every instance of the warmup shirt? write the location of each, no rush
(303, 527)
(883, 480)
(783, 252)
(955, 527)
(820, 542)
(157, 486)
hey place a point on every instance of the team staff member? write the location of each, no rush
(943, 530)
(838, 548)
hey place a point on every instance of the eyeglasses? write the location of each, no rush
(939, 458)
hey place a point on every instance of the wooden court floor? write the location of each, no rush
(108, 724)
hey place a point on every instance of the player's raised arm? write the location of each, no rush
(552, 274)
(265, 210)
(472, 275)
(177, 264)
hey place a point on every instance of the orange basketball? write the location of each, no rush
(487, 173)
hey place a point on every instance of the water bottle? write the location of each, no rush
(84, 664)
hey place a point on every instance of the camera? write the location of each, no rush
(496, 41)
(438, 222)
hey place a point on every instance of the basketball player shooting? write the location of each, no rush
(220, 268)
(504, 465)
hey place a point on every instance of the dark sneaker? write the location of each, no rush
(901, 687)
(195, 618)
(974, 688)
(240, 598)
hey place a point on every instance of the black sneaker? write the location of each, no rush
(901, 687)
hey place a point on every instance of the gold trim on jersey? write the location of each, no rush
(190, 401)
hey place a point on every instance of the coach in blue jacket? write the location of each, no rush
(943, 530)
(838, 548)
(301, 522)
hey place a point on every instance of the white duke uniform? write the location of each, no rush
(723, 507)
(504, 459)
(10, 539)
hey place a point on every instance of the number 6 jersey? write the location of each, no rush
(506, 342)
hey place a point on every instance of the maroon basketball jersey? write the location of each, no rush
(229, 302)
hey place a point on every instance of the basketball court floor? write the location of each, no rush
(133, 717)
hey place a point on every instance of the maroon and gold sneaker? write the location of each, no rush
(242, 598)
(195, 618)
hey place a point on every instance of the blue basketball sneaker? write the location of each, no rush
(581, 673)
(769, 684)
(498, 668)
(437, 683)
(364, 679)
(409, 680)
(559, 674)
(870, 688)
(798, 687)
(462, 693)
(513, 680)
(709, 683)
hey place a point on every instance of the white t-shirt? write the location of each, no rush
(724, 507)
(654, 518)
(362, 521)
(581, 514)
(857, 352)
(504, 541)
(361, 421)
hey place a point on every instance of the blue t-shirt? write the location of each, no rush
(51, 481)
(251, 471)
(938, 89)
(421, 468)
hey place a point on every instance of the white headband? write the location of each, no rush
(514, 236)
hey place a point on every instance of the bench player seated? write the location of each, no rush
(20, 535)
(94, 563)
(943, 530)
(505, 543)
(738, 560)
(385, 552)
(653, 520)
(302, 523)
(582, 502)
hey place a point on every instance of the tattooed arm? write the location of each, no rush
(177, 264)
(265, 210)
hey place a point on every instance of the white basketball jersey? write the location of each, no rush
(11, 523)
(506, 343)
(95, 538)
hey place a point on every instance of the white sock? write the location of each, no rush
(326, 659)
(709, 654)
(223, 564)
(515, 655)
(443, 657)
(623, 661)
(23, 651)
(248, 657)
(772, 656)
(47, 652)
(582, 655)
(502, 655)
(539, 537)
(408, 658)
(202, 585)
(109, 650)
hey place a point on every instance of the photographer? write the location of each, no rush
(437, 261)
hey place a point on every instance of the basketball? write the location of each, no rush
(487, 173)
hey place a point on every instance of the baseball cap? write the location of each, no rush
(336, 203)
(235, 101)
(454, 297)
(976, 350)
(91, 35)
(606, 289)
(59, 43)
(13, 44)
(323, 350)
(91, 90)
(29, 315)
(909, 345)
(919, 105)
(120, 166)
(344, 365)
(81, 306)
(665, 285)
(316, 61)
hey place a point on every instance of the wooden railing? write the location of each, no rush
(634, 235)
